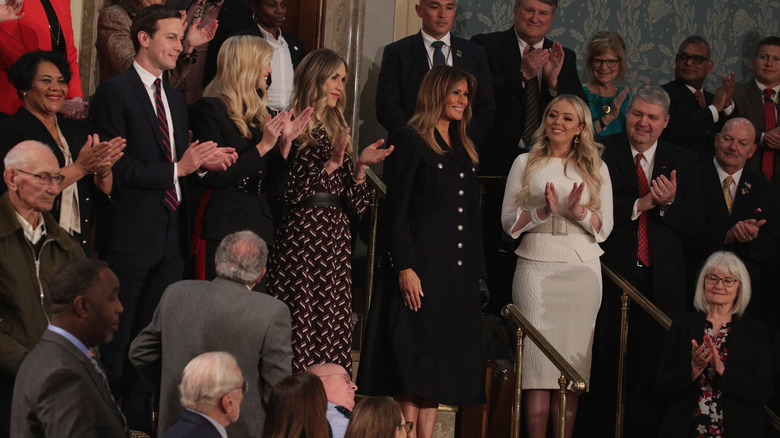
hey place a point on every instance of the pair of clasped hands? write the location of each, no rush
(703, 355)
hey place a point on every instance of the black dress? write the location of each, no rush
(432, 224)
(238, 197)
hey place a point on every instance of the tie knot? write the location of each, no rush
(157, 83)
(437, 44)
(768, 92)
(727, 181)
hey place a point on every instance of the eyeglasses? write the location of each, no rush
(345, 376)
(244, 387)
(44, 179)
(406, 426)
(713, 280)
(682, 58)
(611, 63)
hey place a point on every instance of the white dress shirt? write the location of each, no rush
(446, 49)
(281, 89)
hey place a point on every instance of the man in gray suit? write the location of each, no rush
(757, 100)
(196, 316)
(61, 391)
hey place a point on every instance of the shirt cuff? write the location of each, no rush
(635, 212)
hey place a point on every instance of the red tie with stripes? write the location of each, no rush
(171, 201)
(770, 122)
(643, 243)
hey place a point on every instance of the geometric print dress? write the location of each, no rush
(310, 267)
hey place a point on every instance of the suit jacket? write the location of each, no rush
(746, 384)
(59, 393)
(195, 317)
(405, 63)
(138, 220)
(25, 126)
(228, 209)
(294, 44)
(503, 54)
(29, 33)
(232, 16)
(665, 232)
(690, 125)
(749, 103)
(192, 425)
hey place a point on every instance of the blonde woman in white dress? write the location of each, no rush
(558, 198)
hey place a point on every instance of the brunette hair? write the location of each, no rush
(239, 64)
(309, 83)
(436, 87)
(375, 417)
(146, 21)
(297, 408)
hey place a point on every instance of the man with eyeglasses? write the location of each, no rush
(212, 389)
(741, 213)
(33, 248)
(757, 100)
(340, 391)
(696, 114)
(196, 316)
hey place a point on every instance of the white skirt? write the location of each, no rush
(561, 300)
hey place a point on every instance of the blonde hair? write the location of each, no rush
(585, 155)
(239, 65)
(309, 83)
(436, 87)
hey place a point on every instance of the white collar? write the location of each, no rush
(649, 154)
(30, 233)
(428, 40)
(722, 174)
(763, 87)
(146, 77)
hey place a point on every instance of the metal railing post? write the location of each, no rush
(518, 385)
(563, 382)
(621, 402)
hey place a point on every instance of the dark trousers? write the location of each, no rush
(142, 281)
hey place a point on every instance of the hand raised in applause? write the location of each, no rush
(339, 149)
(552, 68)
(411, 288)
(271, 131)
(575, 197)
(196, 36)
(372, 154)
(9, 12)
(206, 155)
(722, 97)
(291, 129)
(700, 357)
(744, 231)
(550, 202)
(97, 156)
(533, 61)
(714, 356)
(664, 189)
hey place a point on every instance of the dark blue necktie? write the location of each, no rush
(171, 201)
(438, 55)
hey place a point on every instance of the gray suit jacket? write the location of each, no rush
(749, 103)
(195, 317)
(59, 393)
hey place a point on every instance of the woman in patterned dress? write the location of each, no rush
(715, 367)
(559, 196)
(310, 267)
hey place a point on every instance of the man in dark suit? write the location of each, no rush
(757, 100)
(653, 215)
(212, 389)
(144, 235)
(406, 61)
(224, 314)
(288, 50)
(696, 114)
(746, 221)
(61, 390)
(515, 64)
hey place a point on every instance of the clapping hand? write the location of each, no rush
(197, 36)
(271, 131)
(552, 68)
(291, 129)
(575, 196)
(700, 357)
(664, 189)
(10, 12)
(339, 149)
(372, 154)
(714, 356)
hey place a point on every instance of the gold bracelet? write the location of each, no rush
(104, 175)
(359, 181)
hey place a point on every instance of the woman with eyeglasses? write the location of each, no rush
(378, 417)
(41, 81)
(715, 367)
(606, 63)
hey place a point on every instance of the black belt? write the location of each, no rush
(250, 184)
(321, 200)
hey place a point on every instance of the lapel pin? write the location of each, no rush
(458, 53)
(295, 47)
(758, 210)
(747, 184)
(744, 190)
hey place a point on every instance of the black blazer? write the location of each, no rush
(192, 425)
(504, 57)
(690, 125)
(138, 219)
(25, 126)
(666, 232)
(746, 384)
(405, 63)
(294, 44)
(229, 210)
(749, 103)
(233, 15)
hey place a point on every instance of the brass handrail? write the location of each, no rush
(568, 373)
(378, 190)
(630, 292)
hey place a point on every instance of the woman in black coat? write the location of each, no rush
(429, 330)
(232, 113)
(41, 80)
(715, 368)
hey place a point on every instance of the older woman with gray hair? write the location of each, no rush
(715, 368)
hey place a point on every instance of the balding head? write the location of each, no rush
(338, 384)
(32, 175)
(735, 143)
(241, 257)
